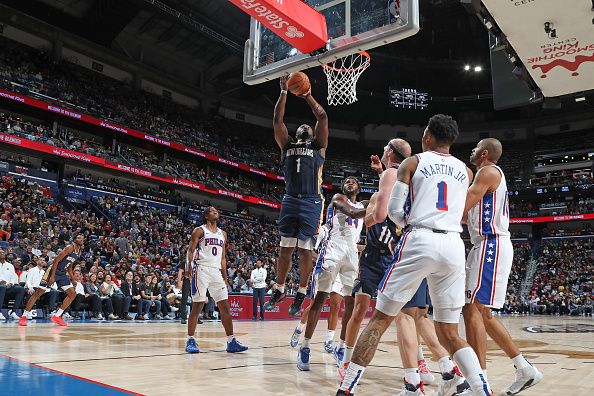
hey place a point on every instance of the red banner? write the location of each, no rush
(292, 20)
(551, 219)
(137, 134)
(242, 308)
(89, 159)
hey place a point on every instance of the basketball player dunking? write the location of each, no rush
(337, 258)
(489, 263)
(430, 248)
(206, 266)
(61, 272)
(302, 205)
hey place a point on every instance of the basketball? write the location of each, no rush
(298, 83)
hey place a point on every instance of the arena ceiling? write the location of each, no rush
(201, 42)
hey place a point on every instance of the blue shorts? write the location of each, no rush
(421, 299)
(300, 217)
(372, 267)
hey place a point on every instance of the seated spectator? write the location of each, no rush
(147, 291)
(165, 307)
(82, 297)
(92, 287)
(33, 279)
(109, 289)
(132, 295)
(9, 287)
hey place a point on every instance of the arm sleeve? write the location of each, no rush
(397, 202)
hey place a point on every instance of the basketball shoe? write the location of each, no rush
(303, 359)
(426, 375)
(191, 346)
(342, 369)
(295, 337)
(58, 320)
(277, 297)
(235, 346)
(295, 308)
(23, 321)
(412, 390)
(328, 346)
(338, 354)
(525, 378)
(453, 383)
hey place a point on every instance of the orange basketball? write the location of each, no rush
(298, 83)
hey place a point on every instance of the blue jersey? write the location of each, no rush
(67, 261)
(302, 167)
(380, 235)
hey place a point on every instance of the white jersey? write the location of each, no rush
(343, 228)
(437, 192)
(209, 252)
(490, 216)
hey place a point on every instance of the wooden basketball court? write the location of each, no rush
(149, 359)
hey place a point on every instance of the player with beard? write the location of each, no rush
(337, 258)
(302, 205)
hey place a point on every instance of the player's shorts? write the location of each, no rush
(300, 218)
(421, 297)
(208, 279)
(487, 271)
(423, 253)
(336, 286)
(336, 260)
(372, 267)
(62, 280)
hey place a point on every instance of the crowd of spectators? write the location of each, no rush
(146, 243)
(70, 139)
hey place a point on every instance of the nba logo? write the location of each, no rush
(393, 10)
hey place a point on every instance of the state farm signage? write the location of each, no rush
(294, 21)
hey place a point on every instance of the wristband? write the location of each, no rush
(283, 91)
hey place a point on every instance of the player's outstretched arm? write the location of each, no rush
(369, 218)
(486, 179)
(197, 235)
(386, 181)
(281, 133)
(400, 191)
(321, 130)
(341, 203)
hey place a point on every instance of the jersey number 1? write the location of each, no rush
(442, 196)
(298, 165)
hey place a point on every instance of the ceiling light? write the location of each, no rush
(467, 67)
(580, 99)
(478, 69)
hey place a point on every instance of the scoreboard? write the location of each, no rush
(406, 98)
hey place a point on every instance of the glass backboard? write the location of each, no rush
(353, 26)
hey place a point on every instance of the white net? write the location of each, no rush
(342, 75)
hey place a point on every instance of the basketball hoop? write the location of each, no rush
(342, 75)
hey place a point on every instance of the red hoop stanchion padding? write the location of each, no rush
(342, 75)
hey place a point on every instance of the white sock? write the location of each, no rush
(520, 362)
(352, 377)
(280, 288)
(302, 290)
(305, 343)
(411, 375)
(348, 354)
(330, 336)
(300, 326)
(190, 337)
(341, 344)
(420, 355)
(230, 338)
(445, 365)
(59, 312)
(25, 313)
(471, 369)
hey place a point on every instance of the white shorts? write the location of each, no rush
(336, 268)
(419, 254)
(487, 271)
(208, 279)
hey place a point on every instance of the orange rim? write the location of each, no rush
(344, 70)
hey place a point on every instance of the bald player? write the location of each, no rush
(489, 263)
